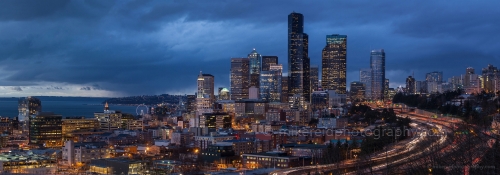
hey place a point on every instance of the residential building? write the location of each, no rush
(75, 153)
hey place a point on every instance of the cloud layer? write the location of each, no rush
(115, 48)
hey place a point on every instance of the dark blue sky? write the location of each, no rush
(114, 48)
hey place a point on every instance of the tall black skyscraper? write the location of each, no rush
(298, 59)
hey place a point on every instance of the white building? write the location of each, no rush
(74, 153)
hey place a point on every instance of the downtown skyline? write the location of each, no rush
(93, 54)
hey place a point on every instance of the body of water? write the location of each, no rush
(66, 106)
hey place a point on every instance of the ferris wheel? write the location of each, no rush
(142, 110)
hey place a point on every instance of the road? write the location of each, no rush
(397, 153)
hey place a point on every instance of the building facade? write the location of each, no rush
(377, 66)
(314, 78)
(255, 61)
(28, 106)
(240, 81)
(270, 84)
(334, 63)
(357, 91)
(45, 128)
(267, 61)
(298, 58)
(365, 77)
(410, 85)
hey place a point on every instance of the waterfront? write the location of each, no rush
(66, 106)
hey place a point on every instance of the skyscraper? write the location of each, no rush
(208, 87)
(490, 74)
(200, 85)
(255, 68)
(284, 89)
(240, 82)
(357, 91)
(386, 88)
(333, 60)
(433, 80)
(314, 78)
(410, 85)
(435, 76)
(365, 77)
(377, 65)
(28, 106)
(270, 84)
(267, 61)
(45, 129)
(298, 59)
(468, 72)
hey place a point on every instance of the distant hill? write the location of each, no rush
(146, 99)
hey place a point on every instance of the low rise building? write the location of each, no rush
(203, 142)
(270, 160)
(76, 153)
(117, 166)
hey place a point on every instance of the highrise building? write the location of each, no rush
(208, 87)
(357, 91)
(333, 74)
(28, 106)
(489, 75)
(284, 89)
(204, 100)
(420, 87)
(433, 80)
(191, 103)
(240, 82)
(435, 76)
(386, 89)
(298, 58)
(45, 129)
(410, 85)
(109, 120)
(467, 78)
(267, 61)
(314, 77)
(270, 84)
(72, 125)
(365, 77)
(255, 68)
(377, 65)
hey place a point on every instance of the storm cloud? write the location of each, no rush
(117, 48)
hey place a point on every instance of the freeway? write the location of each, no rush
(397, 153)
